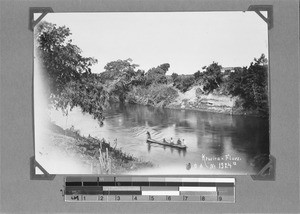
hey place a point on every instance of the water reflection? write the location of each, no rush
(215, 135)
(204, 132)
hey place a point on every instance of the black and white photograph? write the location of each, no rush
(151, 93)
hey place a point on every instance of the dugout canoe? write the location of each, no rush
(167, 144)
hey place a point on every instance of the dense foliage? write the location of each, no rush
(157, 75)
(158, 95)
(86, 94)
(73, 84)
(251, 84)
(183, 82)
(62, 60)
(68, 72)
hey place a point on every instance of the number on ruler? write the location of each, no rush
(101, 198)
(117, 198)
(220, 198)
(151, 198)
(185, 198)
(134, 198)
(168, 198)
(203, 198)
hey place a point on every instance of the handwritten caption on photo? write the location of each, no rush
(211, 162)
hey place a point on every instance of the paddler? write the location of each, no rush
(171, 141)
(148, 135)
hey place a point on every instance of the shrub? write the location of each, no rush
(154, 94)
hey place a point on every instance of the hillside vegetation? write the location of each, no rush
(238, 91)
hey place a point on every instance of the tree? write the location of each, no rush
(120, 76)
(257, 84)
(70, 78)
(91, 97)
(212, 77)
(123, 69)
(262, 60)
(184, 82)
(174, 76)
(62, 60)
(138, 78)
(165, 66)
(198, 75)
(156, 76)
(120, 65)
(251, 84)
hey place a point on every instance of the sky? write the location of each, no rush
(186, 40)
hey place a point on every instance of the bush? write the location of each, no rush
(184, 82)
(157, 93)
(156, 76)
(251, 84)
(90, 97)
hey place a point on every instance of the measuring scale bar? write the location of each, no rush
(149, 189)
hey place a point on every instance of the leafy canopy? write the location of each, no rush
(157, 75)
(251, 84)
(62, 60)
(69, 74)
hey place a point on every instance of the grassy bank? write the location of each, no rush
(88, 150)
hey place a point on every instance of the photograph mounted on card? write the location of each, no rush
(151, 93)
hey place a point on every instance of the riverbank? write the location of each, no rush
(87, 151)
(204, 133)
(193, 99)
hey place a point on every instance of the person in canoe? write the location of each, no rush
(164, 140)
(182, 143)
(148, 135)
(178, 141)
(171, 141)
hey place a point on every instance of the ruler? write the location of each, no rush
(149, 189)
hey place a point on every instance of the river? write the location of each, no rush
(216, 143)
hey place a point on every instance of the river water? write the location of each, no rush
(217, 143)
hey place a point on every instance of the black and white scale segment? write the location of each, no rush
(149, 189)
